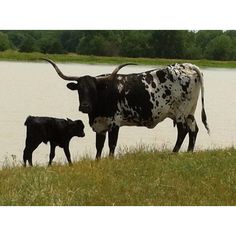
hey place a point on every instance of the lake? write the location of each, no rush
(29, 88)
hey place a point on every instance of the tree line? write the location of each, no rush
(182, 44)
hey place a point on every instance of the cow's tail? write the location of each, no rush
(204, 117)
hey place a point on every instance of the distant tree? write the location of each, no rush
(220, 48)
(191, 49)
(4, 42)
(16, 38)
(91, 46)
(211, 44)
(50, 45)
(136, 44)
(99, 43)
(70, 39)
(203, 37)
(29, 44)
(232, 35)
(168, 43)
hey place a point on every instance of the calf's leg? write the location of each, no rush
(112, 140)
(67, 153)
(52, 153)
(30, 145)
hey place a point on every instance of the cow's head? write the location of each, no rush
(87, 90)
(88, 87)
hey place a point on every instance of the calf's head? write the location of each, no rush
(76, 128)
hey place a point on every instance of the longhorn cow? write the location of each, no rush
(140, 99)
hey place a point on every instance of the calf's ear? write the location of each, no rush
(72, 86)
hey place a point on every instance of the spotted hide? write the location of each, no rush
(141, 99)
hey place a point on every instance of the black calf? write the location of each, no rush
(47, 129)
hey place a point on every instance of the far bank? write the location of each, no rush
(90, 59)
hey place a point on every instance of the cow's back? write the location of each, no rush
(177, 92)
(148, 98)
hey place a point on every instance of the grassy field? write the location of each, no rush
(206, 178)
(14, 55)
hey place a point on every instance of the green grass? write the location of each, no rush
(206, 178)
(19, 56)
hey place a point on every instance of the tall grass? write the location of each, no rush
(137, 178)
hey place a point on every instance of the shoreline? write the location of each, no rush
(86, 59)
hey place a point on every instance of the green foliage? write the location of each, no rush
(72, 57)
(28, 44)
(136, 44)
(220, 48)
(168, 43)
(101, 43)
(4, 42)
(171, 44)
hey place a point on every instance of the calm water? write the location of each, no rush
(35, 89)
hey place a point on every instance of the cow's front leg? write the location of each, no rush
(100, 139)
(112, 139)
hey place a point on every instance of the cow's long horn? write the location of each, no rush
(113, 74)
(65, 77)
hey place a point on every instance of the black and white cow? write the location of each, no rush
(140, 99)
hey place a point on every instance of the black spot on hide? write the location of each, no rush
(138, 98)
(168, 92)
(161, 76)
(185, 87)
(149, 78)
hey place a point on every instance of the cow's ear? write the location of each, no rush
(72, 86)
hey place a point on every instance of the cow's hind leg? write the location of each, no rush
(193, 130)
(100, 139)
(182, 132)
(112, 139)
